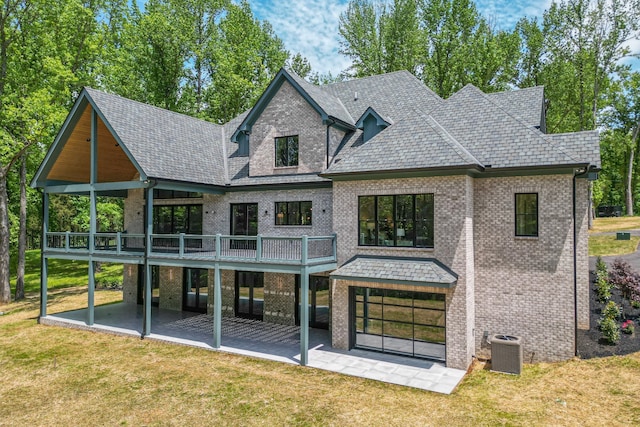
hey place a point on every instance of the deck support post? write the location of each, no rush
(146, 326)
(92, 217)
(44, 263)
(217, 307)
(304, 304)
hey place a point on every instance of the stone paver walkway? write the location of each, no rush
(266, 341)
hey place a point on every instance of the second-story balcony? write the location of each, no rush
(302, 250)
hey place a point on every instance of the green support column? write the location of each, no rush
(44, 263)
(304, 304)
(146, 326)
(93, 178)
(92, 286)
(217, 307)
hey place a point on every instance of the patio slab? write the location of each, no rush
(266, 341)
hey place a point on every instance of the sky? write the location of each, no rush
(310, 27)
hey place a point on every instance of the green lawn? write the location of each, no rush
(604, 245)
(57, 376)
(63, 273)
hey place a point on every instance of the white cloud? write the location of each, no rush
(309, 27)
(504, 14)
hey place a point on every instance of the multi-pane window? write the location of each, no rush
(527, 214)
(287, 151)
(293, 213)
(403, 220)
(177, 219)
(173, 194)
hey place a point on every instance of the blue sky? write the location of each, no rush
(311, 26)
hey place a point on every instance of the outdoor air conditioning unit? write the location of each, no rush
(506, 354)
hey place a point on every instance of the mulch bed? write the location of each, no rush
(591, 343)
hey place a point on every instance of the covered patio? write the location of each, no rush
(262, 340)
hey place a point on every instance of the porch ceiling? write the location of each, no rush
(74, 162)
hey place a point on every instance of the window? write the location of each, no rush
(177, 219)
(527, 214)
(404, 220)
(293, 213)
(287, 151)
(172, 194)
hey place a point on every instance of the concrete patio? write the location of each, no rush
(265, 341)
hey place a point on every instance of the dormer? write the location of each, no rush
(371, 124)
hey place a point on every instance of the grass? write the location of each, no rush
(604, 245)
(58, 376)
(602, 225)
(63, 273)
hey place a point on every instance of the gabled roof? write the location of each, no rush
(380, 121)
(328, 107)
(166, 145)
(414, 143)
(161, 144)
(527, 104)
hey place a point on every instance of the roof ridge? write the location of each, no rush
(358, 79)
(454, 143)
(90, 89)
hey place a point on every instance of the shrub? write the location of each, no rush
(622, 277)
(628, 327)
(603, 289)
(610, 330)
(607, 322)
(601, 266)
(611, 310)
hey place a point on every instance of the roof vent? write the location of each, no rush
(355, 96)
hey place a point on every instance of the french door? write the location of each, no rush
(244, 222)
(195, 290)
(249, 300)
(318, 301)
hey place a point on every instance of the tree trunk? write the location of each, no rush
(22, 238)
(629, 198)
(5, 286)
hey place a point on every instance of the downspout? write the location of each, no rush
(576, 174)
(150, 184)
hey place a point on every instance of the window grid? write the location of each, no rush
(400, 220)
(286, 148)
(526, 214)
(293, 213)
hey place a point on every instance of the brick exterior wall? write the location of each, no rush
(453, 246)
(130, 283)
(170, 287)
(524, 286)
(288, 114)
(279, 298)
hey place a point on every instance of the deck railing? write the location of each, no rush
(259, 248)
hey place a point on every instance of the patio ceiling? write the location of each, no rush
(73, 164)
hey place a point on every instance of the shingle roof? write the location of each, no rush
(494, 136)
(165, 144)
(329, 103)
(416, 142)
(525, 103)
(415, 271)
(582, 145)
(391, 95)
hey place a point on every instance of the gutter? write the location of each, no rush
(576, 174)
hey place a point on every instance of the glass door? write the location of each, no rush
(249, 299)
(244, 222)
(318, 301)
(196, 290)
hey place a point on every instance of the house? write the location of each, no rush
(400, 221)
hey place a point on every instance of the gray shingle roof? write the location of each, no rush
(582, 145)
(392, 95)
(415, 271)
(329, 103)
(527, 104)
(165, 144)
(416, 142)
(496, 137)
